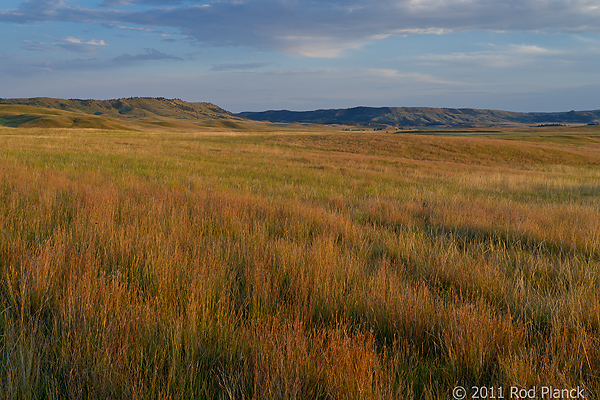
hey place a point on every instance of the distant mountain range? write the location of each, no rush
(422, 116)
(105, 114)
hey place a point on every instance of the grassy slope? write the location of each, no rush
(31, 116)
(297, 264)
(135, 113)
(131, 108)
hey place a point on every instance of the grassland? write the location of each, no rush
(297, 262)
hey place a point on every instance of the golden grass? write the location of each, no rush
(295, 264)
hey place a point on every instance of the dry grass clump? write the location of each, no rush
(222, 267)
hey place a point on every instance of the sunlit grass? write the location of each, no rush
(295, 264)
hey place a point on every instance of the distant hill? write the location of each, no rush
(421, 116)
(112, 114)
(131, 108)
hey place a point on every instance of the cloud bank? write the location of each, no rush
(325, 28)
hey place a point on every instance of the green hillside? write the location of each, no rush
(16, 115)
(131, 108)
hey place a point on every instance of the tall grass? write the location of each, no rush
(295, 265)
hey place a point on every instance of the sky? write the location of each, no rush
(255, 55)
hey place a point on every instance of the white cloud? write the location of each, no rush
(409, 76)
(499, 57)
(532, 50)
(422, 31)
(92, 42)
(131, 28)
(319, 47)
(65, 46)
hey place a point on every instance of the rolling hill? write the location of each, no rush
(130, 108)
(17, 115)
(421, 116)
(112, 114)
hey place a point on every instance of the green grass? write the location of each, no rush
(299, 262)
(36, 117)
(17, 120)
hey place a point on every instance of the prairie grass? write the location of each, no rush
(296, 264)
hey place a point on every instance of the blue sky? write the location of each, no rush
(253, 55)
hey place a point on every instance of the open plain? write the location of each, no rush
(241, 260)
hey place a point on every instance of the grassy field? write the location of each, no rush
(297, 263)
